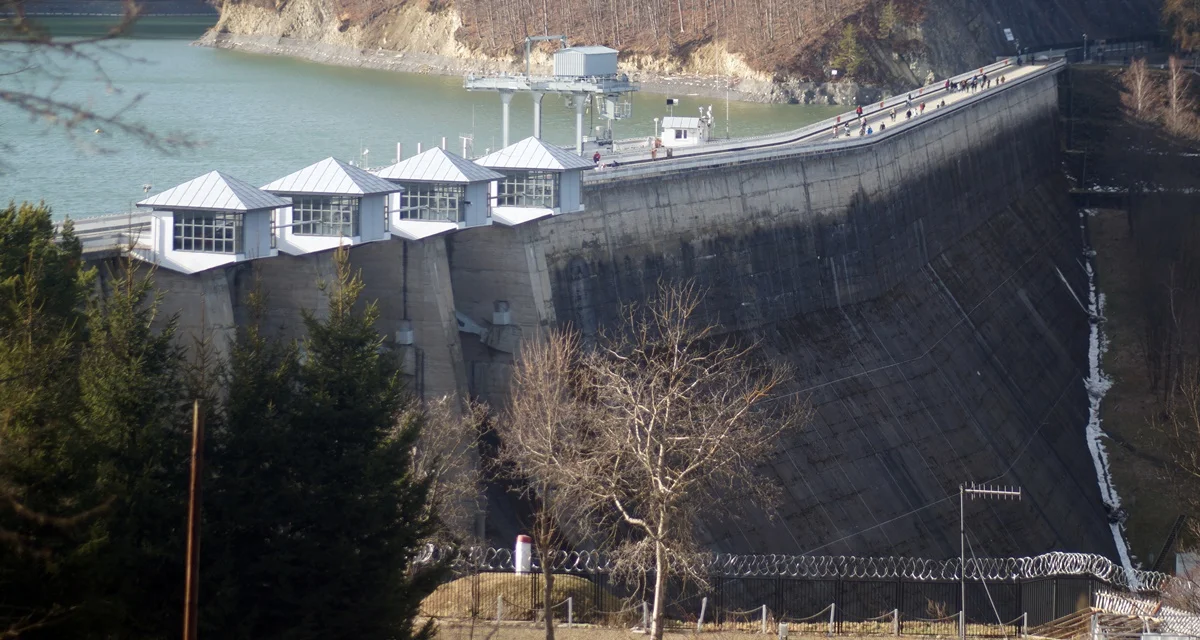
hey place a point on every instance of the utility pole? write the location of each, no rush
(192, 588)
(982, 491)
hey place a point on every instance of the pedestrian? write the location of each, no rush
(870, 131)
(596, 158)
(908, 115)
(946, 87)
(893, 114)
(858, 111)
(908, 101)
(922, 108)
(941, 104)
(835, 131)
(862, 130)
(882, 126)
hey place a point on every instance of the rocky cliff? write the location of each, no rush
(781, 50)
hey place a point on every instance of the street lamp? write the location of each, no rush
(1085, 46)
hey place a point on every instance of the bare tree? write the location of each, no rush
(543, 414)
(1179, 112)
(666, 422)
(1141, 95)
(34, 62)
(448, 455)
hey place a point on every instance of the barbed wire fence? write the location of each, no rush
(1006, 597)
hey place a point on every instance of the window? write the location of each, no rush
(432, 201)
(209, 232)
(325, 216)
(531, 189)
(679, 134)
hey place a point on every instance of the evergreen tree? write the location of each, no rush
(887, 19)
(850, 53)
(315, 507)
(135, 418)
(45, 497)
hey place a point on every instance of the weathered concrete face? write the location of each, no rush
(915, 286)
(922, 287)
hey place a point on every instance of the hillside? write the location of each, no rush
(892, 43)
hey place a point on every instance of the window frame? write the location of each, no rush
(309, 219)
(431, 201)
(537, 189)
(185, 224)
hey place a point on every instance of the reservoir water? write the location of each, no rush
(261, 117)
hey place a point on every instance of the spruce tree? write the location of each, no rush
(316, 510)
(135, 418)
(46, 497)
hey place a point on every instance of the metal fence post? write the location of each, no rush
(832, 616)
(703, 606)
(499, 609)
(570, 611)
(896, 621)
(764, 618)
(645, 617)
(1025, 624)
(783, 630)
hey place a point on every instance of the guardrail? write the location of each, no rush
(746, 152)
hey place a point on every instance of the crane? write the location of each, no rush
(529, 40)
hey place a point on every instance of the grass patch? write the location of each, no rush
(480, 596)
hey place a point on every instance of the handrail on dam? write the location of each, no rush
(786, 148)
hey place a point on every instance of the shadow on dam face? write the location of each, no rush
(928, 310)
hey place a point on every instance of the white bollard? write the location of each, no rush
(523, 554)
(782, 631)
(896, 621)
(703, 606)
(570, 611)
(764, 618)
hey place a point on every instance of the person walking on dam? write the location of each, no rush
(596, 158)
(858, 111)
(893, 114)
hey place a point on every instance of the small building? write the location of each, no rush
(442, 192)
(208, 222)
(681, 131)
(586, 61)
(539, 180)
(333, 203)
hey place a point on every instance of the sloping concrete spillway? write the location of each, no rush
(925, 286)
(925, 289)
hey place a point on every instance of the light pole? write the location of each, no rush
(1085, 47)
(983, 491)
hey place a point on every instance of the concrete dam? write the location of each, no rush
(925, 285)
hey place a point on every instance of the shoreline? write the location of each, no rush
(738, 89)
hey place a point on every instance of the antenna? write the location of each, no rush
(980, 491)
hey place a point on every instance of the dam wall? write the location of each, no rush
(924, 285)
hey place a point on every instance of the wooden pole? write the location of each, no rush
(192, 588)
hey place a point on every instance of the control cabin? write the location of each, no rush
(208, 222)
(539, 180)
(442, 192)
(333, 203)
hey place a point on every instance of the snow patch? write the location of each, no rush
(1097, 384)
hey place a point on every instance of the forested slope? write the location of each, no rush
(878, 41)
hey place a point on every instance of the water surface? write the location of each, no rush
(261, 117)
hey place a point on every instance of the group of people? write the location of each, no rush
(976, 83)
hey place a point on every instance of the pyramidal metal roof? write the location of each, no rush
(438, 165)
(532, 153)
(215, 191)
(331, 177)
